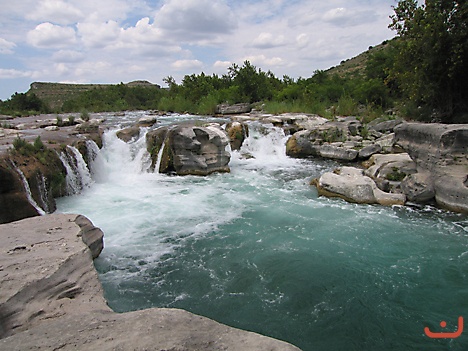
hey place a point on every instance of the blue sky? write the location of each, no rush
(113, 41)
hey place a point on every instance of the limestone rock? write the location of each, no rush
(338, 153)
(440, 150)
(47, 272)
(51, 299)
(352, 185)
(370, 150)
(147, 121)
(226, 109)
(385, 126)
(418, 187)
(190, 150)
(129, 133)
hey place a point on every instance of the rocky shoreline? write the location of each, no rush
(394, 162)
(51, 299)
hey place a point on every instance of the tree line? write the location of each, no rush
(422, 73)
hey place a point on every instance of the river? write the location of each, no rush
(257, 249)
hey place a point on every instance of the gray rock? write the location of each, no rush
(338, 153)
(370, 150)
(418, 187)
(352, 185)
(385, 126)
(440, 150)
(128, 134)
(52, 299)
(226, 109)
(190, 150)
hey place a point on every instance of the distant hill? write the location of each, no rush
(356, 66)
(55, 94)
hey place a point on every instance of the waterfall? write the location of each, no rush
(28, 191)
(78, 175)
(160, 155)
(42, 187)
(264, 147)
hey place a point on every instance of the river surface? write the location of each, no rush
(258, 250)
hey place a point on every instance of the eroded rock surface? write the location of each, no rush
(441, 155)
(189, 150)
(350, 184)
(51, 298)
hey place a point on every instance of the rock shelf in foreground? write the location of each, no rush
(51, 298)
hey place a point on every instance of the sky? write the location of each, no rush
(113, 41)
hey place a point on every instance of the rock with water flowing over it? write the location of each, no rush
(51, 299)
(237, 133)
(441, 151)
(14, 204)
(352, 185)
(190, 150)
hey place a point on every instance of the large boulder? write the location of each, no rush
(51, 299)
(186, 150)
(441, 151)
(352, 185)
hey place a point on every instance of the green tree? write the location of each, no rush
(431, 67)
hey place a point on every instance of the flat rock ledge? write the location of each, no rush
(51, 298)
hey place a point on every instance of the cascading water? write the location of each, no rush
(257, 249)
(44, 193)
(78, 176)
(27, 188)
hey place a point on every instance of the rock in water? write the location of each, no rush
(352, 185)
(190, 150)
(51, 299)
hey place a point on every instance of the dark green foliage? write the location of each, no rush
(431, 66)
(37, 149)
(23, 104)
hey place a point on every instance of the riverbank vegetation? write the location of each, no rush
(422, 74)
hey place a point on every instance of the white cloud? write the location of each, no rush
(99, 34)
(262, 60)
(302, 40)
(56, 11)
(6, 47)
(268, 40)
(222, 64)
(143, 32)
(68, 56)
(14, 74)
(345, 17)
(187, 64)
(189, 20)
(48, 35)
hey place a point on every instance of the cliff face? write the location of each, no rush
(441, 155)
(51, 298)
(35, 162)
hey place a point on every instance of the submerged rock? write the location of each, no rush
(51, 298)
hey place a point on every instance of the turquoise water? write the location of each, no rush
(258, 250)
